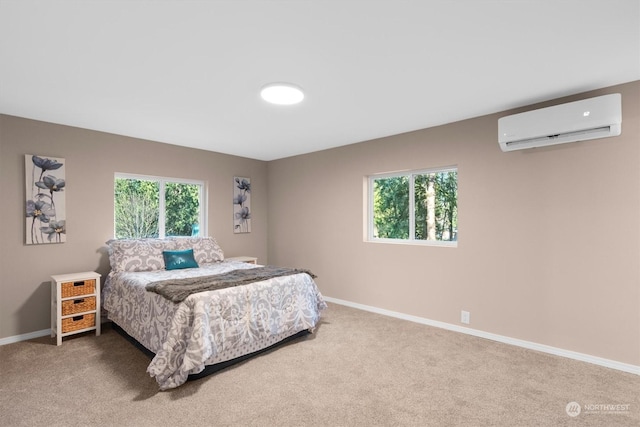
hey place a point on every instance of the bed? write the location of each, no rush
(207, 327)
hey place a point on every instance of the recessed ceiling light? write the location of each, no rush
(282, 93)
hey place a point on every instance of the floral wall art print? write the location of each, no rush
(241, 205)
(45, 207)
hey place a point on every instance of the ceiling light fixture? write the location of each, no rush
(282, 93)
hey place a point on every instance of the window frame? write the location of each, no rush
(162, 181)
(370, 179)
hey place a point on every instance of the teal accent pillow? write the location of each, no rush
(174, 260)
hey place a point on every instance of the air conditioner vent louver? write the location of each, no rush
(592, 118)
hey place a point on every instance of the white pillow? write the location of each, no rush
(205, 249)
(138, 254)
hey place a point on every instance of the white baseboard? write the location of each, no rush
(625, 367)
(24, 337)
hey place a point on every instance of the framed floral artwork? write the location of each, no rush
(241, 205)
(45, 201)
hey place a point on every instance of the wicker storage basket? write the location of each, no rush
(83, 287)
(81, 305)
(78, 322)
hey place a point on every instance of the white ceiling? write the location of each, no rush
(189, 72)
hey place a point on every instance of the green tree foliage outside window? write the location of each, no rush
(391, 207)
(137, 208)
(434, 198)
(182, 208)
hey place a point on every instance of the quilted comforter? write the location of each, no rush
(212, 326)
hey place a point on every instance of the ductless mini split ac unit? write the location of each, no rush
(592, 118)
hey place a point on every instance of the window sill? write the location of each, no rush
(437, 243)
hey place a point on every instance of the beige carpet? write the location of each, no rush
(359, 369)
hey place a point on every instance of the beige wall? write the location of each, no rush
(91, 160)
(549, 243)
(549, 239)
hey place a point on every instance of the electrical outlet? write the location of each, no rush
(465, 317)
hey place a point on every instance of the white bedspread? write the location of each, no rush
(213, 326)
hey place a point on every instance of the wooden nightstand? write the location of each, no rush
(247, 259)
(75, 304)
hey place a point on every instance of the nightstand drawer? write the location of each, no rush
(78, 322)
(78, 305)
(82, 287)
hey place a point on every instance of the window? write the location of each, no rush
(414, 207)
(148, 206)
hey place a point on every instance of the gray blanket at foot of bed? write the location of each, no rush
(178, 290)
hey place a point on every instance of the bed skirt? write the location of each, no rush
(219, 365)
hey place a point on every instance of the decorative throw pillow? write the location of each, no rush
(138, 254)
(205, 249)
(175, 260)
